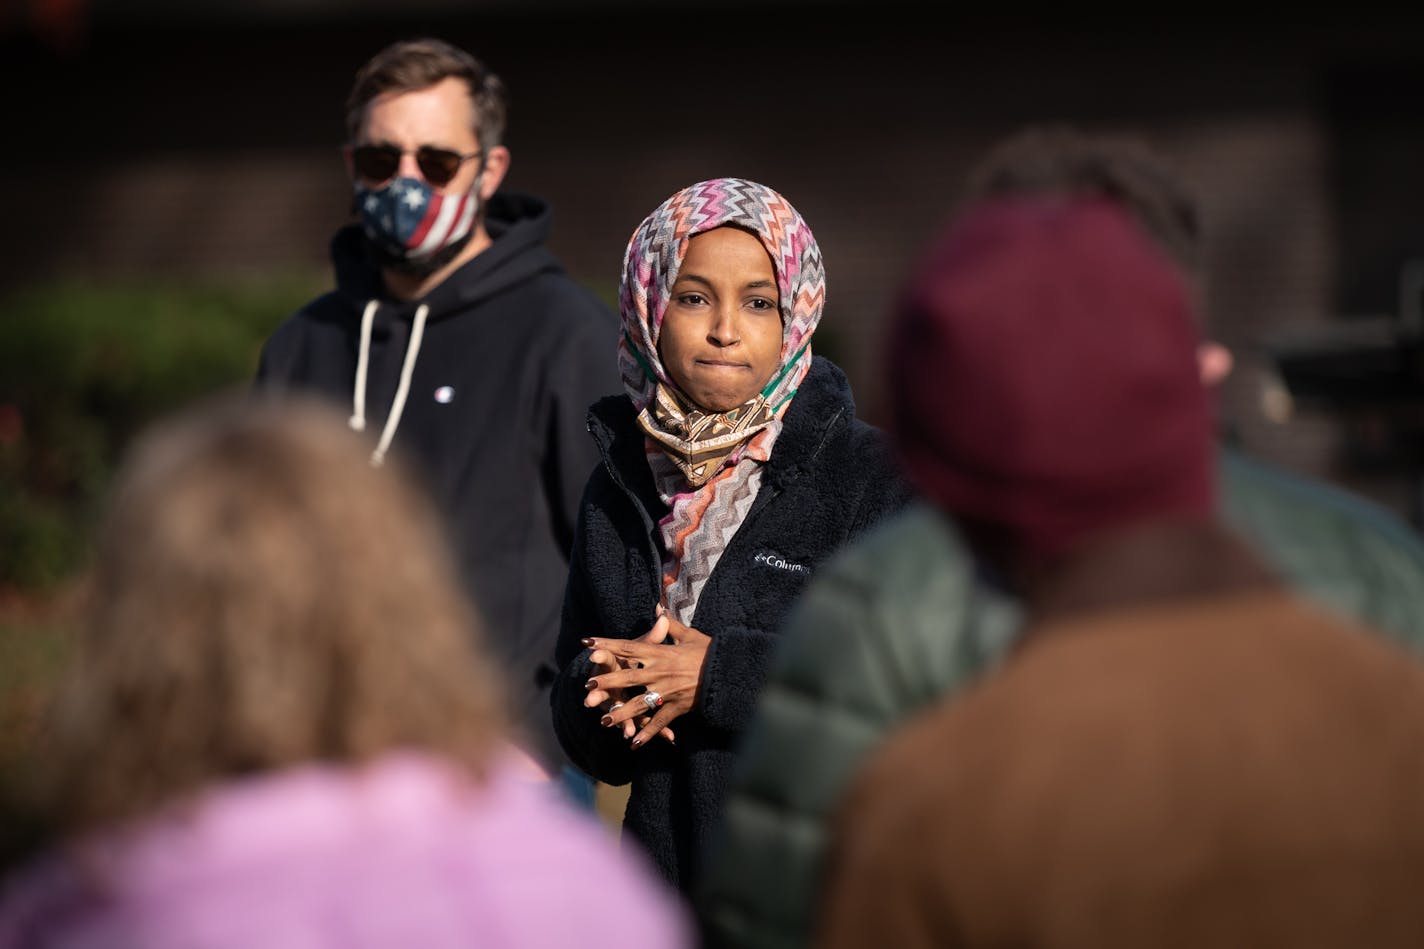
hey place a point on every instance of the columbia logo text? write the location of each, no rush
(780, 563)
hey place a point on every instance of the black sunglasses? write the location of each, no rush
(380, 162)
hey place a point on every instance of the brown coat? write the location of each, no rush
(1236, 769)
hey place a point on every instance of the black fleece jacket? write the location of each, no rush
(514, 351)
(829, 477)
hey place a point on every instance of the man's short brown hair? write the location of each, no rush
(1048, 160)
(412, 65)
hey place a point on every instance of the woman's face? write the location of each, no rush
(721, 333)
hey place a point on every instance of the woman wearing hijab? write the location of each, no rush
(733, 465)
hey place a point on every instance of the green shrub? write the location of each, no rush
(83, 367)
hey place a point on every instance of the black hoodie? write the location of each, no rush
(512, 354)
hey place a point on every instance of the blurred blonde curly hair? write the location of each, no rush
(261, 596)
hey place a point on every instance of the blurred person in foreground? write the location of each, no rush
(734, 465)
(455, 336)
(1177, 750)
(278, 729)
(903, 616)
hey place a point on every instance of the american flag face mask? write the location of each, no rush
(410, 222)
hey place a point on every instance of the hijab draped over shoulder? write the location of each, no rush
(707, 465)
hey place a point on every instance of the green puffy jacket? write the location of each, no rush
(897, 620)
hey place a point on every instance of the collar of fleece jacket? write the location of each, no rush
(823, 401)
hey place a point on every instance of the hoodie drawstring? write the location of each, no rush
(363, 357)
(412, 349)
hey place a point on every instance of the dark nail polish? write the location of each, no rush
(590, 685)
(606, 721)
(586, 642)
(637, 742)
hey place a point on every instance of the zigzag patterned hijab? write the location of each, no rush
(707, 466)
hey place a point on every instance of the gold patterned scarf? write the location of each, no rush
(697, 441)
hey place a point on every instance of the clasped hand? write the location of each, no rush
(674, 671)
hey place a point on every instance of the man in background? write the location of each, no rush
(456, 338)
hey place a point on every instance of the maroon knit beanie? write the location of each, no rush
(1043, 379)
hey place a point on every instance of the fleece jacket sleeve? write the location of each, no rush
(734, 675)
(598, 751)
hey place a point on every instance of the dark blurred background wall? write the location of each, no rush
(187, 139)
